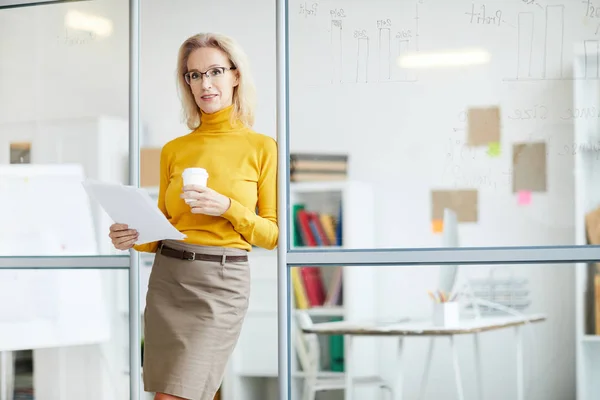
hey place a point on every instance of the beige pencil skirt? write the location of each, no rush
(192, 321)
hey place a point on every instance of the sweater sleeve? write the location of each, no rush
(152, 247)
(260, 229)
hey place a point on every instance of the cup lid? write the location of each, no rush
(195, 171)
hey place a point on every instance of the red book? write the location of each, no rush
(313, 284)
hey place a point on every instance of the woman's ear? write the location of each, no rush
(236, 75)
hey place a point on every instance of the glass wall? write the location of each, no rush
(440, 146)
(64, 329)
(64, 118)
(64, 75)
(424, 146)
(473, 332)
(460, 106)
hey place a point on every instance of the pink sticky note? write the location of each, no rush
(524, 197)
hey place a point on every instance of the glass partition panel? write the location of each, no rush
(409, 119)
(480, 331)
(64, 333)
(63, 118)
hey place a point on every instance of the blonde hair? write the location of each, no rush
(243, 94)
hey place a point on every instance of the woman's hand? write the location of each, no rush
(122, 237)
(205, 200)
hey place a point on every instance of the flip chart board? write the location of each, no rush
(45, 212)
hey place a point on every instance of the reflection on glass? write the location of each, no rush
(64, 101)
(497, 122)
(439, 332)
(64, 334)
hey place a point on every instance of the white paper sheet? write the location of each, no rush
(133, 206)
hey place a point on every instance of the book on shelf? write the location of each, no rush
(306, 167)
(312, 229)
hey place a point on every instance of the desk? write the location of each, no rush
(425, 328)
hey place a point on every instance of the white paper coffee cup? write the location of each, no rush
(194, 176)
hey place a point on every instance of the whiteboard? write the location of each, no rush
(348, 94)
(45, 212)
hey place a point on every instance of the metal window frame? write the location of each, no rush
(135, 356)
(447, 256)
(74, 262)
(4, 4)
(369, 257)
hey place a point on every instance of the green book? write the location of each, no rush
(336, 350)
(297, 238)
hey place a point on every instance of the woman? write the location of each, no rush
(199, 287)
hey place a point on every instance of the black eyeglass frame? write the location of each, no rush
(186, 76)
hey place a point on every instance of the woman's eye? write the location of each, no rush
(194, 75)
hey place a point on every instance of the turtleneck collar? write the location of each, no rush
(218, 122)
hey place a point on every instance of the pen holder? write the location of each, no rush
(446, 314)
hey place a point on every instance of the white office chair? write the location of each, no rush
(315, 380)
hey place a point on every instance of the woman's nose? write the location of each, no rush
(206, 83)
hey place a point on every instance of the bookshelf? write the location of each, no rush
(351, 204)
(587, 198)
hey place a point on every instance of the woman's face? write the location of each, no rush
(211, 79)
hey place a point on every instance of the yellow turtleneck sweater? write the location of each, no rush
(241, 165)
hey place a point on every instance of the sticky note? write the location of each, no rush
(464, 202)
(493, 149)
(437, 226)
(20, 153)
(483, 126)
(529, 167)
(524, 197)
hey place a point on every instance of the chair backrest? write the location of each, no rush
(307, 344)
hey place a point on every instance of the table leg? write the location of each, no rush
(520, 380)
(427, 368)
(457, 377)
(398, 386)
(6, 375)
(3, 376)
(478, 365)
(348, 364)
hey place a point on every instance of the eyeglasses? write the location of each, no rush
(213, 73)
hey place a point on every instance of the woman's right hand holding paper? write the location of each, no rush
(122, 237)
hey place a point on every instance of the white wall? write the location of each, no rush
(396, 133)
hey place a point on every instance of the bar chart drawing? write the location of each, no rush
(404, 74)
(525, 29)
(385, 54)
(336, 51)
(554, 32)
(591, 55)
(362, 59)
(551, 51)
(417, 27)
(362, 53)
